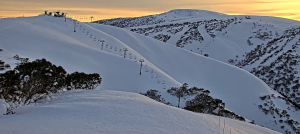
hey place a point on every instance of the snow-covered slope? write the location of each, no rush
(207, 32)
(176, 15)
(54, 39)
(114, 112)
(268, 47)
(232, 35)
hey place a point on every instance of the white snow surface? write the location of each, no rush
(229, 42)
(2, 107)
(54, 39)
(115, 112)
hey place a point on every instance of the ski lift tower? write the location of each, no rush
(125, 49)
(141, 60)
(74, 25)
(91, 18)
(102, 44)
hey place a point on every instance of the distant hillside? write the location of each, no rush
(170, 16)
(267, 47)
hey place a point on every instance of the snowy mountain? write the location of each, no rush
(165, 65)
(170, 16)
(265, 46)
(115, 112)
(259, 48)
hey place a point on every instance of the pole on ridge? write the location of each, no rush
(74, 25)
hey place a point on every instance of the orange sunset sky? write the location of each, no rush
(103, 9)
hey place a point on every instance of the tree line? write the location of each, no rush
(55, 14)
(31, 81)
(201, 103)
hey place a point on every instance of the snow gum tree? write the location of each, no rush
(179, 92)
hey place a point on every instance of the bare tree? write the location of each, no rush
(179, 92)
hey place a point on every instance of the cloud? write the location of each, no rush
(296, 18)
(272, 2)
(266, 10)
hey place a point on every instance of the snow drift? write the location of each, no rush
(114, 112)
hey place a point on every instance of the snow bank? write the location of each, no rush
(114, 112)
(2, 107)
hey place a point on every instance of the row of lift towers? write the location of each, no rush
(102, 41)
